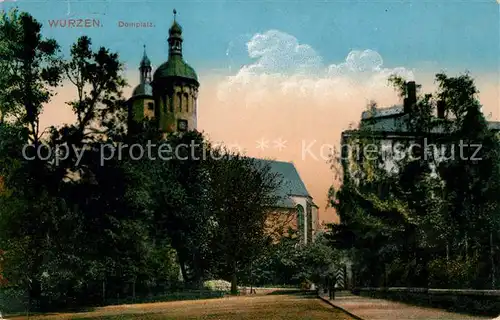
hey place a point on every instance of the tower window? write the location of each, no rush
(182, 125)
(186, 101)
(151, 106)
(179, 97)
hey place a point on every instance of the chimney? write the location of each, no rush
(440, 109)
(411, 96)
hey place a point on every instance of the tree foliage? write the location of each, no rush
(428, 218)
(90, 222)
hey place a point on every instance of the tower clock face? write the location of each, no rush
(182, 125)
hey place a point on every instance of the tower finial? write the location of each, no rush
(145, 62)
(175, 13)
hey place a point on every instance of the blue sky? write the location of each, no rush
(455, 35)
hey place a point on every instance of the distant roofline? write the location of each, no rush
(277, 206)
(367, 114)
(300, 195)
(307, 193)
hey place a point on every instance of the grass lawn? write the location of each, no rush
(272, 306)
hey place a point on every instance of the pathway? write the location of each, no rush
(378, 309)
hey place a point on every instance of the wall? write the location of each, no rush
(316, 225)
(481, 302)
(140, 109)
(304, 203)
(177, 101)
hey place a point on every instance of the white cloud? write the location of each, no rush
(277, 52)
(282, 63)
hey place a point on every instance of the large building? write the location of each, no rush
(169, 97)
(295, 199)
(390, 124)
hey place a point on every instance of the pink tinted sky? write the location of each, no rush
(302, 102)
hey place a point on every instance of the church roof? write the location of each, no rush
(292, 184)
(175, 67)
(175, 29)
(143, 89)
(145, 62)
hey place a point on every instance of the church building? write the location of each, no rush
(169, 96)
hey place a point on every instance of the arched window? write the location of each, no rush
(179, 95)
(186, 101)
(300, 220)
(166, 102)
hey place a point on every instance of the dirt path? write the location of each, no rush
(279, 306)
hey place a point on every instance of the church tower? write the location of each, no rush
(141, 104)
(175, 88)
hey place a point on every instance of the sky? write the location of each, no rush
(282, 79)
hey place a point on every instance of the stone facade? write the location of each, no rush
(176, 101)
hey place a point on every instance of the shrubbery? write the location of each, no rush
(217, 285)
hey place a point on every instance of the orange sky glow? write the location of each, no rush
(287, 114)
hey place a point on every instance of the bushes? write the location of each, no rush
(13, 300)
(454, 273)
(217, 285)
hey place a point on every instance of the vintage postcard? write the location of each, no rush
(343, 151)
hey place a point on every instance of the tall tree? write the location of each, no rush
(30, 69)
(426, 209)
(243, 193)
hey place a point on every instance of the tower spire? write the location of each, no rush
(145, 68)
(175, 38)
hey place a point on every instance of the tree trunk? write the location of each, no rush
(492, 257)
(103, 291)
(183, 271)
(234, 281)
(133, 289)
(251, 277)
(386, 280)
(28, 307)
(447, 252)
(466, 247)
